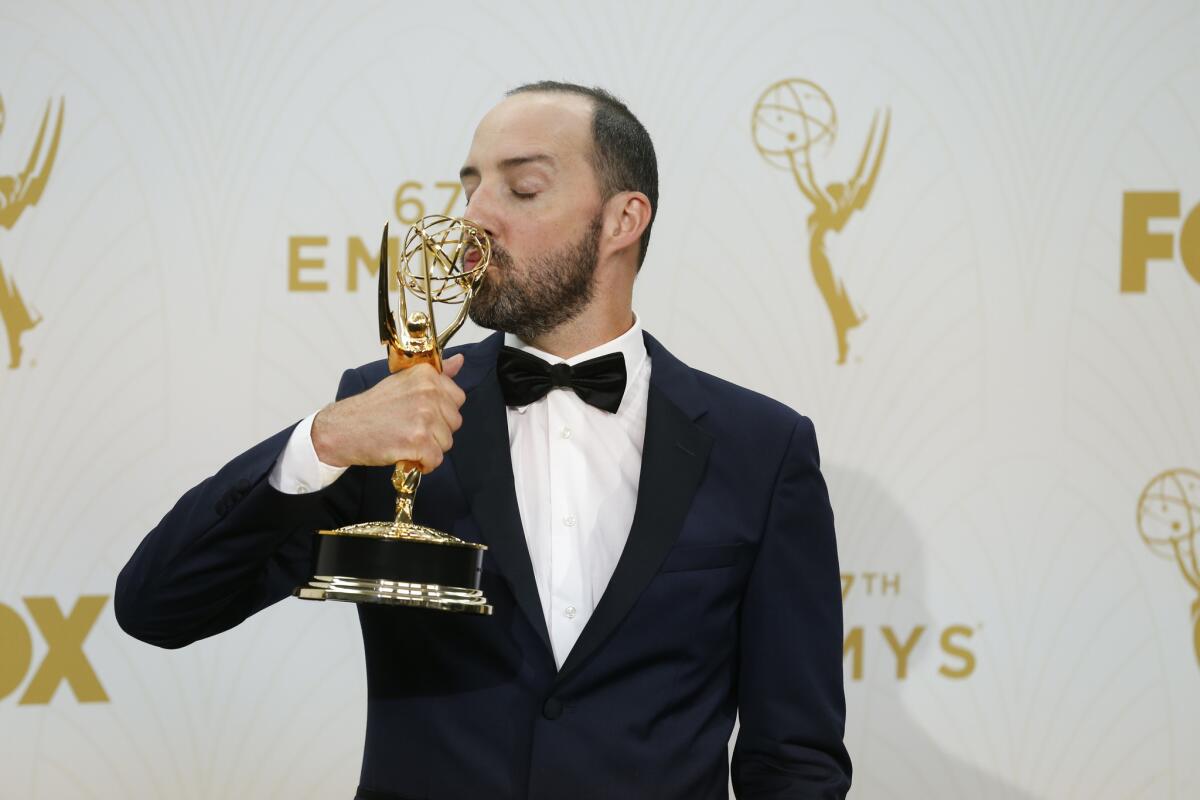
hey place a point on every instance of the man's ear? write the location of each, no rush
(626, 215)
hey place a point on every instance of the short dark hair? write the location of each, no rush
(622, 153)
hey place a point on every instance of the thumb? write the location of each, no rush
(451, 366)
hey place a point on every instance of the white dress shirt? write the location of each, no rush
(576, 469)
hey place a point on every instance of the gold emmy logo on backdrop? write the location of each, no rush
(1169, 519)
(443, 261)
(792, 120)
(17, 193)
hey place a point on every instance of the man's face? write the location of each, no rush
(530, 183)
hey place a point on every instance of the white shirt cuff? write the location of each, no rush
(298, 470)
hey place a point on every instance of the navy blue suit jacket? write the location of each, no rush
(725, 600)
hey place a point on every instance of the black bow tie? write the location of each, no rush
(525, 378)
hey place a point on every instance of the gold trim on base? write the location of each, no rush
(385, 592)
(401, 530)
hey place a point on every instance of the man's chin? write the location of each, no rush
(487, 327)
(483, 320)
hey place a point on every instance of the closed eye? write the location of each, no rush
(524, 195)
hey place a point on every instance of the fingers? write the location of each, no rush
(431, 461)
(436, 401)
(438, 432)
(444, 394)
(433, 442)
(450, 368)
(409, 416)
(452, 390)
(418, 373)
(444, 382)
(450, 414)
(452, 365)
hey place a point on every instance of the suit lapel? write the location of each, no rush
(674, 455)
(483, 464)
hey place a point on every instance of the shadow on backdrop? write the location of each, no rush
(894, 755)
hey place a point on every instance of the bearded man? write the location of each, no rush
(660, 563)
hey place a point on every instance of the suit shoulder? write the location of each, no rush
(366, 375)
(751, 408)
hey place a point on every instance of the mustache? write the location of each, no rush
(501, 257)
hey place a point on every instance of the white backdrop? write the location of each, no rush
(1002, 408)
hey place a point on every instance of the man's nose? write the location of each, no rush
(481, 210)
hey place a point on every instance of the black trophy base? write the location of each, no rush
(404, 565)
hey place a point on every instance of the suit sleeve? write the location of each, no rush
(230, 547)
(791, 700)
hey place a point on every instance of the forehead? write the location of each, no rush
(557, 124)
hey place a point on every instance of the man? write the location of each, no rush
(657, 565)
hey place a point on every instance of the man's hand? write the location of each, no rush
(410, 415)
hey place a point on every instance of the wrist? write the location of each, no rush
(324, 439)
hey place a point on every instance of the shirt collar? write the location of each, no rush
(630, 344)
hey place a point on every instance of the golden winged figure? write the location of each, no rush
(17, 193)
(792, 119)
(832, 207)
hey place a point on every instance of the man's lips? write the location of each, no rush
(472, 258)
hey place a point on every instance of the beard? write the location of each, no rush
(547, 291)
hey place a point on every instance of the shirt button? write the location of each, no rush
(569, 612)
(565, 433)
(569, 520)
(301, 488)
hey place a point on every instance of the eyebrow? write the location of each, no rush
(470, 171)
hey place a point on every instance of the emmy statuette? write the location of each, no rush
(400, 562)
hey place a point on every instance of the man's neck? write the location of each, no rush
(582, 334)
(607, 316)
